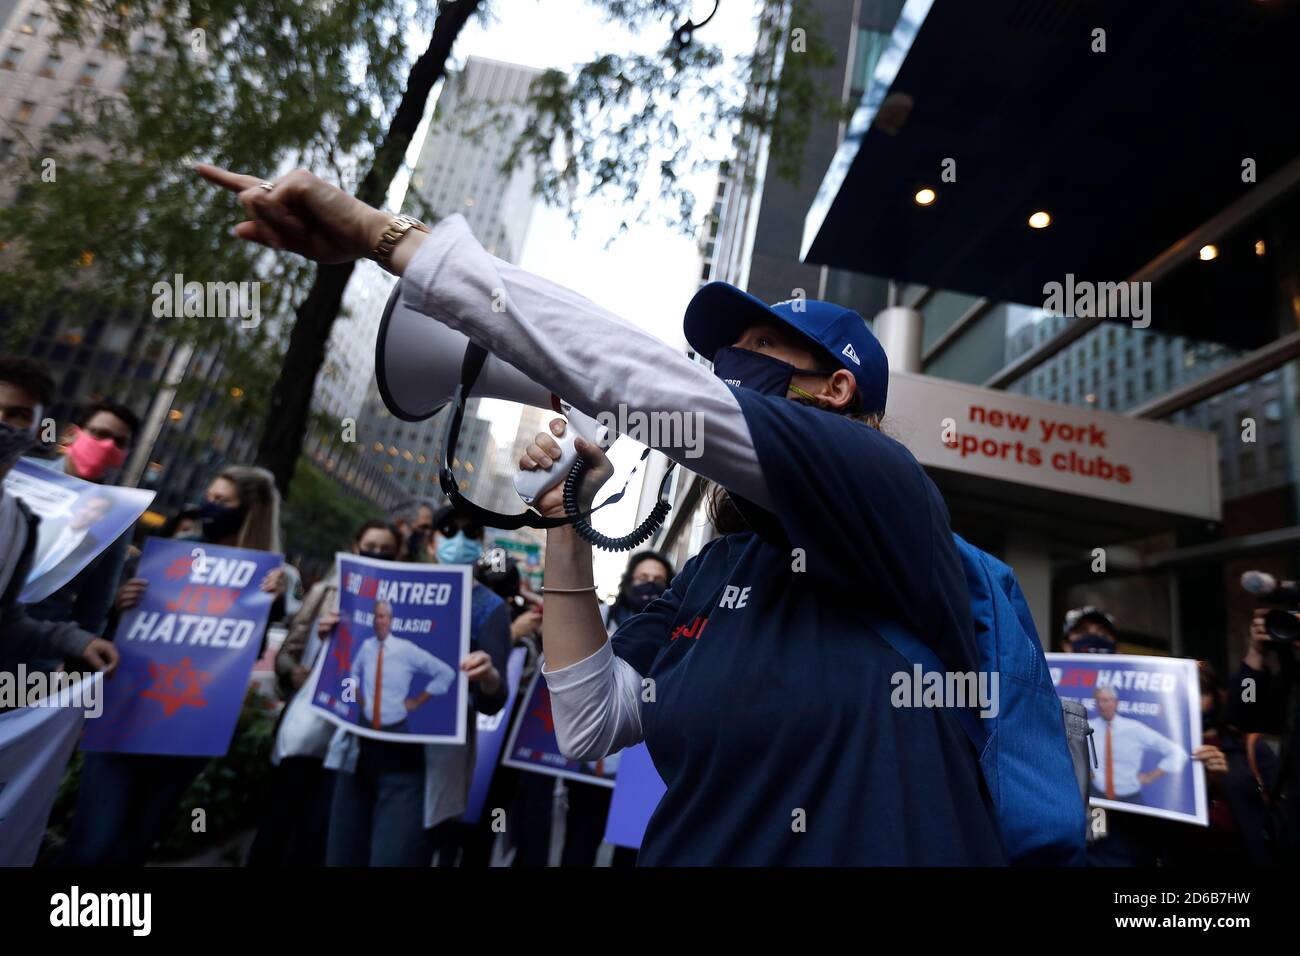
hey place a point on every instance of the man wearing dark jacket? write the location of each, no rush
(25, 388)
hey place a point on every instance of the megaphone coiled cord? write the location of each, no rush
(587, 533)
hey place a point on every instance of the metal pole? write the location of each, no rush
(161, 405)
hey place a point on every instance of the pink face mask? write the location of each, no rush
(92, 457)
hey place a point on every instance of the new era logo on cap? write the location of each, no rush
(852, 355)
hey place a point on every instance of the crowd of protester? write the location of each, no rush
(342, 799)
(333, 797)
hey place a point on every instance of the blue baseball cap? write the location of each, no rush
(719, 314)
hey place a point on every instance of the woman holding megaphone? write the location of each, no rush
(756, 679)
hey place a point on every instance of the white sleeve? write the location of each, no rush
(586, 355)
(596, 705)
(1174, 757)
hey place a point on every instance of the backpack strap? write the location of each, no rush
(915, 652)
(1251, 741)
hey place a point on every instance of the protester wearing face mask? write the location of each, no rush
(25, 389)
(395, 803)
(126, 801)
(646, 577)
(773, 686)
(295, 821)
(93, 449)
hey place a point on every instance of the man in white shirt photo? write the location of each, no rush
(73, 545)
(1122, 746)
(384, 668)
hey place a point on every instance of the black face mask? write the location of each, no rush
(415, 545)
(757, 372)
(639, 596)
(378, 555)
(220, 521)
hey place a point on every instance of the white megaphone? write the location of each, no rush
(418, 366)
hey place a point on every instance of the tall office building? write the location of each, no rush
(480, 113)
(479, 116)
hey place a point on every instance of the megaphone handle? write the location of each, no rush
(531, 485)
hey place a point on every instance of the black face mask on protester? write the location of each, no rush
(220, 521)
(639, 596)
(378, 555)
(758, 372)
(416, 544)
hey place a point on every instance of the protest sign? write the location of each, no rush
(187, 650)
(391, 669)
(1145, 716)
(35, 744)
(532, 745)
(79, 519)
(491, 734)
(636, 795)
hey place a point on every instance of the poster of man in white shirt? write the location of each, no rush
(385, 669)
(1146, 722)
(79, 519)
(390, 670)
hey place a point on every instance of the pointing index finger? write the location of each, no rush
(235, 182)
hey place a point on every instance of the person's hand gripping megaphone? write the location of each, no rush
(544, 452)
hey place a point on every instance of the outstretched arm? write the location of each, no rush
(522, 318)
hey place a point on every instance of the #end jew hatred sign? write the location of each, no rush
(391, 670)
(187, 651)
(532, 745)
(1145, 716)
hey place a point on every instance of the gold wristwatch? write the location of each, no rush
(398, 228)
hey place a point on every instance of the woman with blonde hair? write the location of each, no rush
(126, 801)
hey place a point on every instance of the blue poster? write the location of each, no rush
(391, 669)
(490, 735)
(637, 793)
(1145, 714)
(532, 744)
(79, 519)
(187, 651)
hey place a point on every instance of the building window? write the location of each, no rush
(13, 56)
(50, 68)
(32, 25)
(1128, 358)
(88, 74)
(25, 110)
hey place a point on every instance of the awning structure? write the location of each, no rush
(1131, 151)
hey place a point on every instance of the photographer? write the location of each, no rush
(1263, 699)
(773, 729)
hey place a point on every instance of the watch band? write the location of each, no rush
(398, 228)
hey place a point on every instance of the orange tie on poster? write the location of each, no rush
(1110, 767)
(379, 678)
